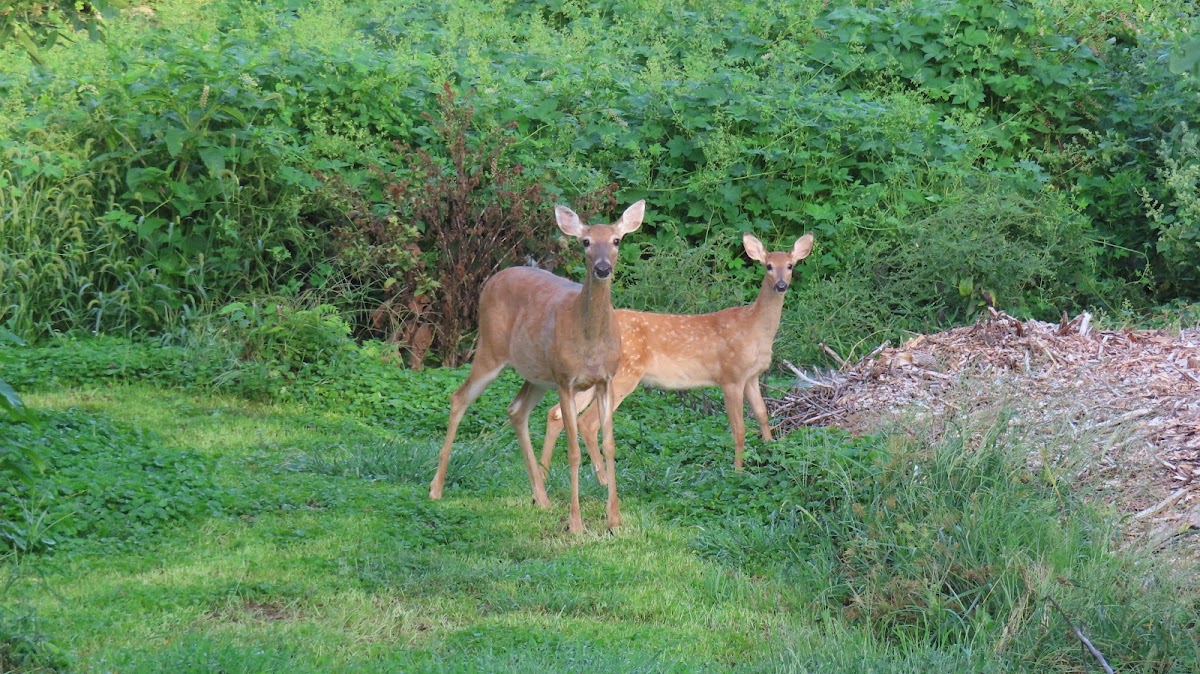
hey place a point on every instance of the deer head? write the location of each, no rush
(600, 241)
(779, 265)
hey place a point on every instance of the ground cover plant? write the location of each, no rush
(302, 539)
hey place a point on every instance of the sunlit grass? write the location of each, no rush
(346, 569)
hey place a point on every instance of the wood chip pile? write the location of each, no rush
(1132, 396)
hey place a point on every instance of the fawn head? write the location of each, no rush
(779, 265)
(600, 241)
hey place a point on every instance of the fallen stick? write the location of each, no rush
(1081, 636)
(1123, 418)
(1161, 505)
(833, 354)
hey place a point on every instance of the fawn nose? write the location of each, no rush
(781, 286)
(602, 269)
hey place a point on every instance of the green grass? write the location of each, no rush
(318, 549)
(354, 571)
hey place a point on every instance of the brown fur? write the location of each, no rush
(556, 334)
(729, 348)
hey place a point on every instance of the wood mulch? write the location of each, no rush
(1131, 396)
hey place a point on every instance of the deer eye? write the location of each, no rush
(789, 267)
(616, 242)
(587, 242)
(770, 266)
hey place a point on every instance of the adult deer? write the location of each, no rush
(556, 334)
(729, 348)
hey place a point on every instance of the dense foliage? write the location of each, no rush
(946, 153)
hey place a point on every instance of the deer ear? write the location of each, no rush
(568, 221)
(802, 248)
(631, 219)
(754, 247)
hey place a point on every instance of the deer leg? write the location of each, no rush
(566, 398)
(754, 395)
(589, 421)
(483, 372)
(554, 425)
(518, 415)
(734, 408)
(604, 401)
(589, 427)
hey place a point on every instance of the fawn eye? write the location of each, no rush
(587, 242)
(789, 267)
(616, 242)
(770, 267)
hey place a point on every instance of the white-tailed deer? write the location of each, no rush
(729, 348)
(554, 333)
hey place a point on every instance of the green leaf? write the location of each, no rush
(214, 160)
(175, 139)
(11, 402)
(1187, 58)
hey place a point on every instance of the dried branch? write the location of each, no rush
(1080, 635)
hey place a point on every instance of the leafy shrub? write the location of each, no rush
(261, 348)
(180, 155)
(1178, 221)
(1027, 252)
(450, 221)
(104, 483)
(62, 266)
(676, 277)
(39, 25)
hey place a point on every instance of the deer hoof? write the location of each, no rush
(575, 524)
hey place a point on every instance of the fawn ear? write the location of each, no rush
(568, 221)
(631, 219)
(802, 248)
(754, 247)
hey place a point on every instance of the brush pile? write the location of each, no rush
(1132, 396)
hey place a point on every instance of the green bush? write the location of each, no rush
(1177, 222)
(171, 168)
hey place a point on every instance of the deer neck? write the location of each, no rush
(766, 311)
(596, 310)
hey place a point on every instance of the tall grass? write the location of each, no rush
(63, 269)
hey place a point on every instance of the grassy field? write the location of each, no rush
(186, 530)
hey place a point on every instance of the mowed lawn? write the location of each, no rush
(344, 571)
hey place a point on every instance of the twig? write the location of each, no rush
(886, 343)
(1161, 505)
(833, 354)
(1123, 418)
(1079, 634)
(800, 374)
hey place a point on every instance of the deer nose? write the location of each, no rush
(781, 286)
(602, 269)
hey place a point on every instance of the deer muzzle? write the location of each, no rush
(781, 286)
(602, 270)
